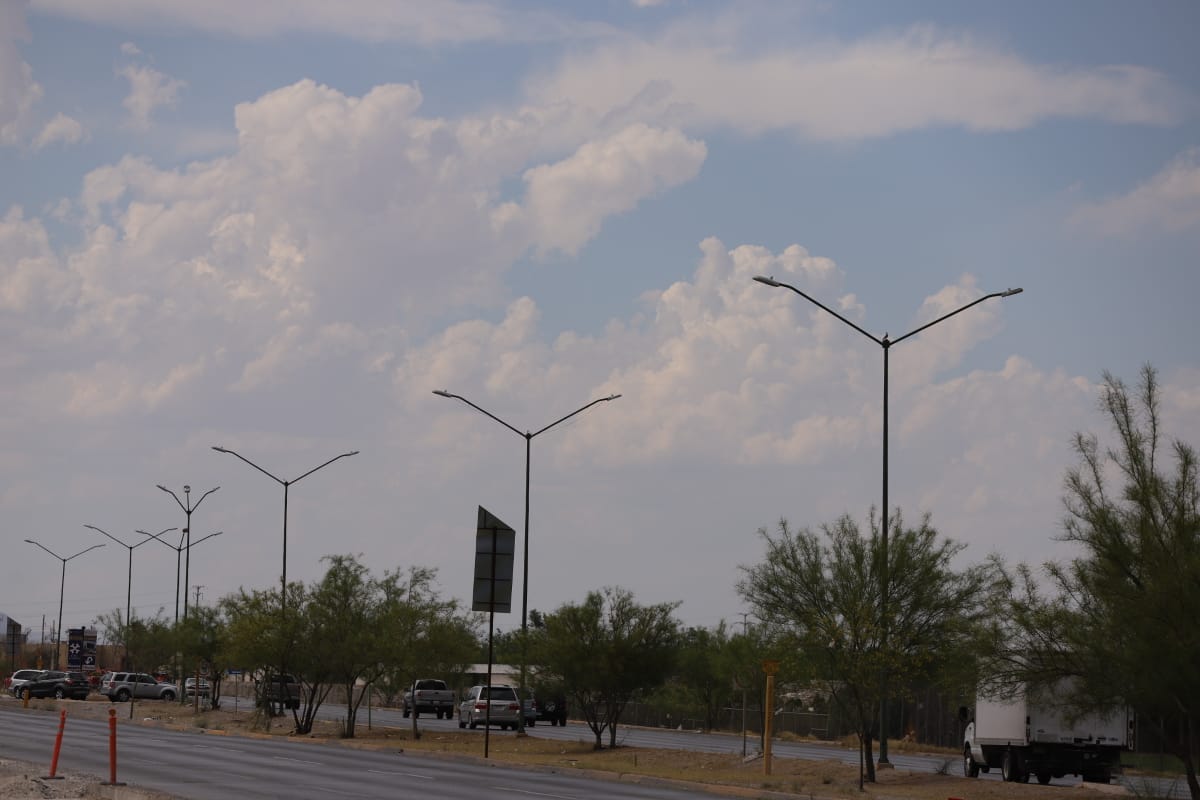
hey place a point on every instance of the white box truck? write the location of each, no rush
(1030, 734)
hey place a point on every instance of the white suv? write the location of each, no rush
(20, 678)
(490, 705)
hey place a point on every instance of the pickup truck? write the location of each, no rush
(280, 689)
(429, 695)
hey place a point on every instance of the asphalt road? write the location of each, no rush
(199, 766)
(206, 767)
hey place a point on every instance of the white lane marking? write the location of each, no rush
(535, 794)
(405, 774)
(296, 760)
(336, 791)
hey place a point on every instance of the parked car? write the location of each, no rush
(53, 683)
(189, 687)
(19, 678)
(490, 705)
(121, 686)
(553, 709)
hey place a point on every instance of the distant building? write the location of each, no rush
(14, 639)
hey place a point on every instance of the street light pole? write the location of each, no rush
(886, 343)
(129, 580)
(285, 485)
(525, 552)
(178, 552)
(188, 508)
(61, 590)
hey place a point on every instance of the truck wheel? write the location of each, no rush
(1043, 778)
(461, 724)
(1010, 767)
(970, 768)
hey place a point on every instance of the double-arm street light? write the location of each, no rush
(188, 507)
(525, 550)
(61, 590)
(886, 343)
(285, 485)
(178, 552)
(129, 580)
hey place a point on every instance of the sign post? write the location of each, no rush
(495, 548)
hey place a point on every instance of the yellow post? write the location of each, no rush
(770, 668)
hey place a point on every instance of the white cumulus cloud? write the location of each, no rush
(1168, 201)
(60, 130)
(149, 90)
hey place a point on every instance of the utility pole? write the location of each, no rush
(197, 588)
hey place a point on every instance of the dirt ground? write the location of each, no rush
(788, 778)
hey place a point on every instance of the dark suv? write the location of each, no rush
(53, 683)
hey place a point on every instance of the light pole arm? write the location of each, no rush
(211, 535)
(220, 449)
(818, 304)
(47, 549)
(573, 413)
(109, 535)
(326, 464)
(158, 536)
(206, 494)
(484, 411)
(177, 500)
(1006, 293)
(81, 552)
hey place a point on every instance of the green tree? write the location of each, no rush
(147, 643)
(203, 643)
(822, 591)
(1121, 622)
(605, 651)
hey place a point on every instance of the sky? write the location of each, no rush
(278, 227)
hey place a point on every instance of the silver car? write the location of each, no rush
(490, 705)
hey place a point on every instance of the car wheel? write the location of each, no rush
(461, 723)
(168, 696)
(472, 723)
(123, 695)
(59, 693)
(406, 712)
(970, 768)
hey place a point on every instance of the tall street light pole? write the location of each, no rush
(525, 554)
(886, 343)
(129, 580)
(285, 485)
(188, 507)
(61, 590)
(178, 552)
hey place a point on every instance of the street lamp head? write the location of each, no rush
(219, 449)
(1011, 292)
(442, 392)
(31, 541)
(767, 281)
(187, 488)
(612, 397)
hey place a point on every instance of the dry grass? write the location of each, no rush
(805, 778)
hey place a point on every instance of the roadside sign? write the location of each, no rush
(495, 547)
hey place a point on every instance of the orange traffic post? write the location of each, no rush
(112, 750)
(62, 724)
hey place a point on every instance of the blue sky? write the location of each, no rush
(278, 226)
